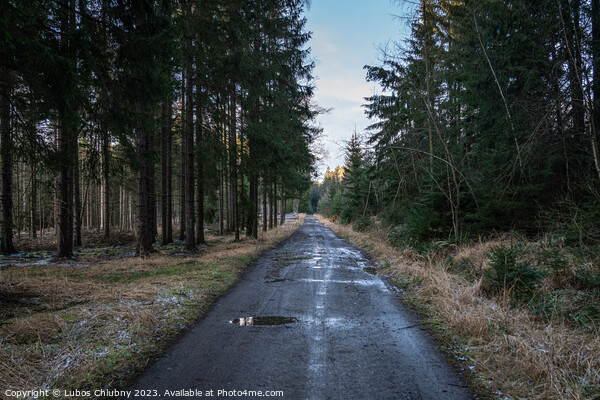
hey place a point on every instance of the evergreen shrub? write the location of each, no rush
(510, 273)
(588, 279)
(398, 236)
(362, 224)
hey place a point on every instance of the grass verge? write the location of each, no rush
(513, 353)
(96, 326)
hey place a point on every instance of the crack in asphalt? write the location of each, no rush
(350, 337)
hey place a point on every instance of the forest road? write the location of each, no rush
(309, 321)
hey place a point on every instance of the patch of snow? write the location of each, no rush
(169, 300)
(102, 352)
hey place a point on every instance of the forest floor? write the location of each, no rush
(512, 351)
(97, 320)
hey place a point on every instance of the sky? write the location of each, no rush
(346, 36)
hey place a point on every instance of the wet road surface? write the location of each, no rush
(311, 320)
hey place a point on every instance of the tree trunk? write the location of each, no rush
(264, 205)
(271, 208)
(130, 215)
(227, 199)
(77, 195)
(200, 168)
(233, 164)
(169, 156)
(144, 176)
(40, 214)
(33, 194)
(165, 178)
(153, 199)
(65, 191)
(255, 208)
(190, 239)
(221, 224)
(106, 184)
(124, 209)
(6, 154)
(55, 207)
(282, 204)
(33, 203)
(88, 214)
(575, 68)
(200, 199)
(596, 63)
(163, 172)
(98, 207)
(183, 180)
(250, 214)
(595, 131)
(67, 140)
(275, 203)
(243, 204)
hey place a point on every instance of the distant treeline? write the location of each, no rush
(123, 114)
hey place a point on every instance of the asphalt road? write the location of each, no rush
(336, 332)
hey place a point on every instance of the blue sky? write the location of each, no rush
(346, 35)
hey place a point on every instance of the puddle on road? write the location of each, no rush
(273, 276)
(263, 321)
(360, 282)
(285, 261)
(370, 270)
(277, 280)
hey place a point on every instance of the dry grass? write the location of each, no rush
(512, 353)
(95, 326)
(48, 241)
